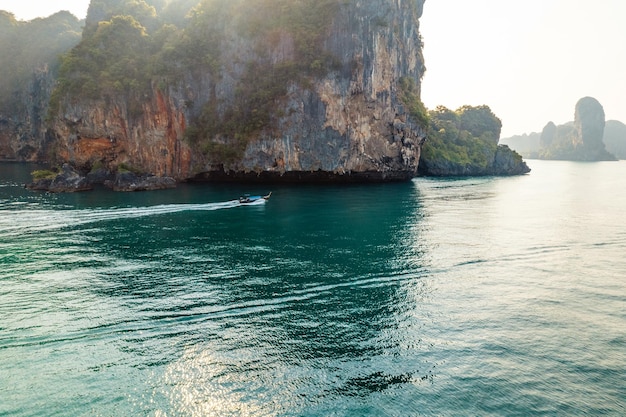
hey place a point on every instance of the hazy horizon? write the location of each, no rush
(530, 62)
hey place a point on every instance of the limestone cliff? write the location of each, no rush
(345, 121)
(95, 132)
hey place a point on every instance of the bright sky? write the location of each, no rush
(30, 9)
(530, 61)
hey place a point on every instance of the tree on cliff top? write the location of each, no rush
(464, 137)
(111, 60)
(104, 10)
(480, 122)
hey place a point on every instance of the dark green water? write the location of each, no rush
(490, 296)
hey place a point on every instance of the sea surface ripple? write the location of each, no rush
(481, 296)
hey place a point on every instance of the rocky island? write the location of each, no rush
(588, 138)
(465, 142)
(271, 90)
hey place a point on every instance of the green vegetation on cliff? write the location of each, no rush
(110, 61)
(44, 174)
(465, 137)
(115, 57)
(410, 97)
(465, 142)
(129, 46)
(123, 51)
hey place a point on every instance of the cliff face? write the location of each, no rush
(345, 123)
(352, 120)
(93, 132)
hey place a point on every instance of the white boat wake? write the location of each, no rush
(15, 222)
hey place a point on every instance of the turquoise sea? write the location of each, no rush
(446, 297)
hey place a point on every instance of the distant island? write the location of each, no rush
(588, 138)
